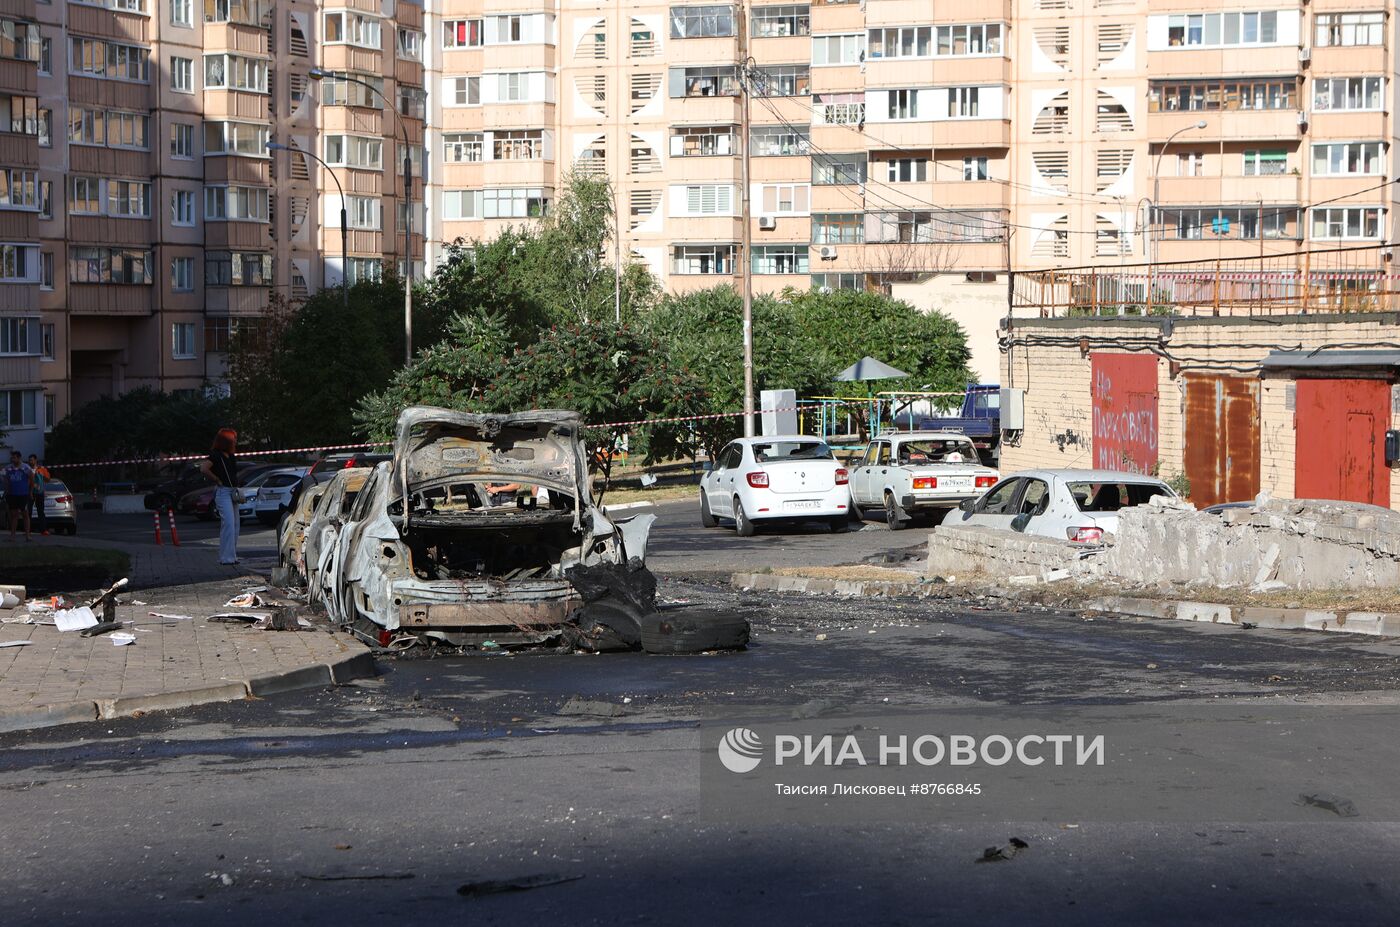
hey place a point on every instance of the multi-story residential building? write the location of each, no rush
(143, 217)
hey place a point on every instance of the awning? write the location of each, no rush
(1329, 360)
(868, 368)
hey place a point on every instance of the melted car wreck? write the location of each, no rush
(469, 536)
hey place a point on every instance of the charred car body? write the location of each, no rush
(470, 532)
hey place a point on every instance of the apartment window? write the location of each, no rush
(182, 274)
(182, 12)
(709, 199)
(19, 189)
(237, 204)
(779, 259)
(962, 102)
(771, 21)
(838, 109)
(235, 138)
(1195, 223)
(46, 199)
(1347, 93)
(779, 141)
(46, 329)
(45, 127)
(354, 151)
(19, 263)
(461, 33)
(900, 42)
(364, 212)
(1340, 222)
(19, 40)
(461, 204)
(975, 169)
(85, 196)
(129, 199)
(1211, 96)
(462, 91)
(182, 340)
(1350, 29)
(181, 140)
(364, 90)
(17, 408)
(237, 268)
(936, 226)
(826, 283)
(695, 22)
(514, 203)
(838, 49)
(784, 199)
(14, 336)
(513, 87)
(117, 266)
(96, 58)
(510, 29)
(838, 228)
(410, 45)
(968, 40)
(86, 126)
(413, 102)
(343, 27)
(833, 169)
(128, 130)
(359, 269)
(702, 141)
(1190, 164)
(248, 12)
(46, 272)
(46, 56)
(1265, 163)
(182, 74)
(182, 207)
(458, 147)
(518, 145)
(235, 72)
(702, 259)
(784, 80)
(19, 114)
(904, 104)
(704, 82)
(1222, 29)
(50, 411)
(1343, 158)
(907, 170)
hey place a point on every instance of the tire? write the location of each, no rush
(892, 515)
(707, 520)
(839, 524)
(742, 523)
(693, 631)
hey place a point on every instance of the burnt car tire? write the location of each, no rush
(707, 519)
(687, 631)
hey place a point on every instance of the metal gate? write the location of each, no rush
(1341, 440)
(1221, 456)
(1124, 398)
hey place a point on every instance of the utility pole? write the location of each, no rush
(746, 234)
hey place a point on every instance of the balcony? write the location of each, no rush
(1253, 61)
(1241, 125)
(109, 299)
(235, 37)
(1279, 188)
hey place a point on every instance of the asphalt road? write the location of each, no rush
(380, 801)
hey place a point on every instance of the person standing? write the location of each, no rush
(41, 481)
(19, 486)
(219, 466)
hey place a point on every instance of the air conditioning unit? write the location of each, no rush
(1302, 119)
(768, 223)
(826, 253)
(1304, 55)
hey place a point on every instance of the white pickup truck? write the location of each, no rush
(910, 473)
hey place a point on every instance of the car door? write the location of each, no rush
(860, 480)
(997, 508)
(879, 474)
(720, 491)
(1032, 507)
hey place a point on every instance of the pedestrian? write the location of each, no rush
(19, 486)
(219, 466)
(41, 481)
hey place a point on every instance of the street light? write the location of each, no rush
(344, 261)
(318, 74)
(1157, 204)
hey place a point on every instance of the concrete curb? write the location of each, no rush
(768, 582)
(317, 675)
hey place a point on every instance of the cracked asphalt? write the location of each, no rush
(381, 800)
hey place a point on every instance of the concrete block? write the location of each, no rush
(165, 701)
(360, 666)
(1319, 620)
(1287, 619)
(306, 677)
(27, 719)
(1205, 611)
(1268, 564)
(1359, 623)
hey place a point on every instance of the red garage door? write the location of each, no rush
(1341, 440)
(1125, 411)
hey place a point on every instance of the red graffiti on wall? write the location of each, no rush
(1125, 412)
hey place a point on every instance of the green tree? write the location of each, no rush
(139, 423)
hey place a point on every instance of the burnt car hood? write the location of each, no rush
(541, 447)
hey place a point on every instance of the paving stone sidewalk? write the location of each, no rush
(65, 677)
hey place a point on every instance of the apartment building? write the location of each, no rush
(143, 217)
(894, 138)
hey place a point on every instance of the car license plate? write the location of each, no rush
(958, 483)
(801, 504)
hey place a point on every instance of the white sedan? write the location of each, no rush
(275, 494)
(1069, 505)
(773, 479)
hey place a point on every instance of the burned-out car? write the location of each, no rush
(469, 534)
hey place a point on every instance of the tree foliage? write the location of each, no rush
(140, 423)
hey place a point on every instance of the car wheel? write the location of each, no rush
(693, 631)
(707, 519)
(742, 523)
(893, 518)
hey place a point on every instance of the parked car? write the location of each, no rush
(291, 536)
(171, 493)
(1074, 505)
(326, 466)
(60, 508)
(913, 473)
(787, 478)
(325, 518)
(426, 549)
(200, 502)
(274, 496)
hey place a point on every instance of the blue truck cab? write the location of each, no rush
(979, 419)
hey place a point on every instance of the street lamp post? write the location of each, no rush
(1157, 204)
(319, 73)
(344, 261)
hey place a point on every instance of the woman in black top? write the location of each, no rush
(219, 466)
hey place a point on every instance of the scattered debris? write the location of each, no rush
(821, 637)
(369, 877)
(107, 601)
(616, 596)
(1341, 807)
(521, 884)
(170, 616)
(75, 619)
(122, 638)
(1275, 677)
(282, 619)
(247, 599)
(7, 600)
(582, 706)
(1152, 666)
(15, 643)
(998, 854)
(19, 592)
